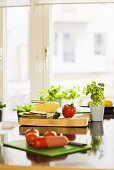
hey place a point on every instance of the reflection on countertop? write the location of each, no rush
(98, 134)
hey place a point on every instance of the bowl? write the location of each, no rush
(109, 110)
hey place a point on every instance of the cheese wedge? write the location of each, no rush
(47, 106)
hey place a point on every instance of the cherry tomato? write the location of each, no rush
(50, 133)
(38, 158)
(68, 110)
(33, 130)
(70, 137)
(40, 143)
(31, 137)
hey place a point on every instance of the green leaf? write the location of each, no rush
(24, 108)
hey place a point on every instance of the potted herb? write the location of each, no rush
(97, 132)
(2, 105)
(96, 92)
(96, 143)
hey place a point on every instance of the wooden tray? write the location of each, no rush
(79, 120)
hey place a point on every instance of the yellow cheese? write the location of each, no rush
(47, 106)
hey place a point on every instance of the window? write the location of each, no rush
(68, 48)
(17, 39)
(78, 36)
(81, 58)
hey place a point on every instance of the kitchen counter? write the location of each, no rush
(98, 134)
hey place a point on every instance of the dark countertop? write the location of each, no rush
(99, 134)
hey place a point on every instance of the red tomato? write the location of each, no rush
(30, 156)
(50, 133)
(33, 130)
(68, 110)
(31, 137)
(70, 137)
(40, 143)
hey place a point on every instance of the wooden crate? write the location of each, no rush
(79, 120)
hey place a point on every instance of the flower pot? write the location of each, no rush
(1, 118)
(97, 129)
(0, 115)
(59, 101)
(97, 113)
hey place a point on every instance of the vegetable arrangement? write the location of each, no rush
(49, 140)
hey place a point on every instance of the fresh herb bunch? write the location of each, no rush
(96, 92)
(24, 108)
(51, 93)
(2, 105)
(71, 94)
(55, 93)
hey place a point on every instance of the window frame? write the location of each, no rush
(39, 52)
(2, 83)
(39, 42)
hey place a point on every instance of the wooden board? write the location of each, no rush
(79, 120)
(39, 167)
(49, 152)
(58, 130)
